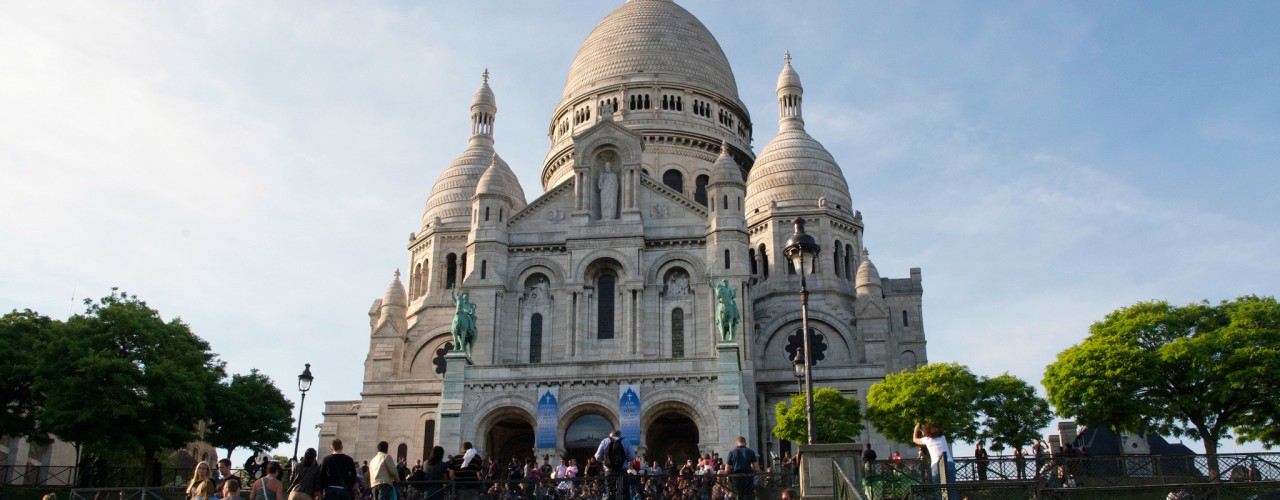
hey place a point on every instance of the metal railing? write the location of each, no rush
(99, 477)
(759, 486)
(1081, 477)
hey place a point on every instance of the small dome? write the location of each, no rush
(395, 295)
(794, 170)
(725, 168)
(651, 37)
(499, 180)
(868, 275)
(450, 198)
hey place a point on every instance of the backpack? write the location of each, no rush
(615, 455)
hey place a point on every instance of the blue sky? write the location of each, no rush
(256, 168)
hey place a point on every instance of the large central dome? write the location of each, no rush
(648, 38)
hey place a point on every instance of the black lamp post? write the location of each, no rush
(304, 385)
(797, 367)
(802, 251)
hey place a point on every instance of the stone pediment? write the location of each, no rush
(867, 308)
(552, 208)
(659, 202)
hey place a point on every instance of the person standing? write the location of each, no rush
(304, 483)
(435, 473)
(268, 487)
(201, 486)
(466, 471)
(221, 475)
(930, 436)
(980, 456)
(615, 452)
(382, 473)
(231, 489)
(1037, 451)
(743, 462)
(338, 473)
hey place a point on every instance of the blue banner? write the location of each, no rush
(629, 412)
(548, 417)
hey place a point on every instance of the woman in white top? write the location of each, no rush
(931, 437)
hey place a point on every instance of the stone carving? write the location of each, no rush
(660, 211)
(677, 286)
(608, 184)
(464, 322)
(555, 215)
(726, 310)
(538, 292)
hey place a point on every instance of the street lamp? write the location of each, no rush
(802, 251)
(304, 385)
(797, 367)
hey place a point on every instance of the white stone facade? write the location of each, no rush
(622, 295)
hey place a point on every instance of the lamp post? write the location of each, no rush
(304, 385)
(797, 367)
(802, 249)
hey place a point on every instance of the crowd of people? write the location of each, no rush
(614, 471)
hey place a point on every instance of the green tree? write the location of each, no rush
(836, 418)
(249, 412)
(1202, 371)
(21, 334)
(1012, 413)
(119, 377)
(942, 393)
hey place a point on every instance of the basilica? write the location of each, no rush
(646, 288)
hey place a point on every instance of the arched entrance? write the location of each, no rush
(510, 437)
(583, 436)
(671, 433)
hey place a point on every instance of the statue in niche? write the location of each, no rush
(726, 310)
(608, 185)
(537, 292)
(677, 286)
(464, 322)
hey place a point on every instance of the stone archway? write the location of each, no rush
(671, 433)
(510, 437)
(583, 435)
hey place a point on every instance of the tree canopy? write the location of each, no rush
(1202, 371)
(942, 393)
(836, 418)
(21, 334)
(121, 377)
(1012, 415)
(249, 412)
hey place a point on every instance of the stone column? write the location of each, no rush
(817, 477)
(449, 413)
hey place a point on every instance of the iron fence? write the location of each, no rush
(101, 477)
(763, 486)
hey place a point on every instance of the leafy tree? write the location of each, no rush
(121, 378)
(249, 412)
(942, 393)
(836, 418)
(1012, 413)
(1201, 371)
(21, 334)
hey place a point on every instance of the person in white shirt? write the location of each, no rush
(382, 473)
(930, 436)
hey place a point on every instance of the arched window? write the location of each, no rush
(462, 265)
(402, 452)
(486, 214)
(700, 189)
(727, 260)
(484, 268)
(535, 339)
(428, 438)
(764, 262)
(848, 262)
(904, 318)
(751, 256)
(726, 202)
(604, 293)
(677, 333)
(499, 214)
(835, 257)
(450, 270)
(674, 180)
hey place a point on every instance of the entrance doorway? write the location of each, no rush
(510, 437)
(671, 434)
(583, 436)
